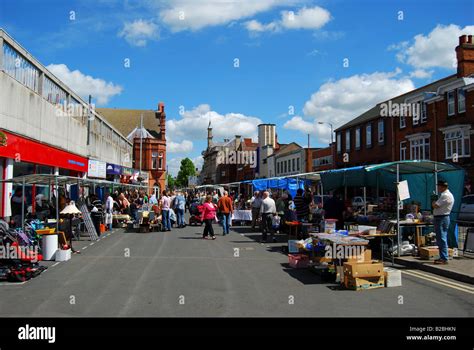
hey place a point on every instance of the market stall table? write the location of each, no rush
(418, 227)
(242, 215)
(390, 236)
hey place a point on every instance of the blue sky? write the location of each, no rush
(291, 56)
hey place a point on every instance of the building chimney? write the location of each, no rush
(238, 141)
(465, 56)
(161, 115)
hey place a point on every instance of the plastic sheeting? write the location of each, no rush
(289, 184)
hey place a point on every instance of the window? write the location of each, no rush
(294, 164)
(322, 161)
(338, 141)
(381, 132)
(457, 142)
(424, 116)
(416, 113)
(19, 68)
(285, 166)
(160, 164)
(461, 101)
(154, 160)
(368, 133)
(451, 103)
(420, 148)
(403, 150)
(297, 164)
(357, 136)
(348, 140)
(403, 122)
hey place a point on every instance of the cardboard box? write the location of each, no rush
(432, 253)
(366, 257)
(298, 261)
(365, 269)
(365, 283)
(393, 277)
(321, 259)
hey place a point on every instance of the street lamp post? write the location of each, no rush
(322, 123)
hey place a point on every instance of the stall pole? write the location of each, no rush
(57, 203)
(365, 201)
(436, 178)
(23, 198)
(398, 211)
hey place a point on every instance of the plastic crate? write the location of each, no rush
(298, 261)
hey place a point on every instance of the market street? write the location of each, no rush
(179, 274)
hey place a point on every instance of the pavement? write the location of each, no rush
(459, 269)
(176, 274)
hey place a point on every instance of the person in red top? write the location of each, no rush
(226, 209)
(208, 216)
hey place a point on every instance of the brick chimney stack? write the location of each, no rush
(161, 115)
(465, 56)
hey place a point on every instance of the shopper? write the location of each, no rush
(267, 210)
(180, 204)
(109, 209)
(165, 204)
(16, 206)
(441, 211)
(208, 216)
(334, 208)
(255, 203)
(302, 205)
(226, 209)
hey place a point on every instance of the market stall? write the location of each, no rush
(420, 176)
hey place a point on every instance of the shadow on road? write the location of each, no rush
(303, 275)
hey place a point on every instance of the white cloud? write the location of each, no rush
(339, 101)
(193, 124)
(299, 124)
(305, 18)
(85, 85)
(255, 26)
(138, 32)
(437, 49)
(421, 74)
(179, 147)
(193, 15)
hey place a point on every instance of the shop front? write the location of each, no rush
(113, 172)
(21, 156)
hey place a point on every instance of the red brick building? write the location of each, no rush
(322, 159)
(432, 122)
(153, 156)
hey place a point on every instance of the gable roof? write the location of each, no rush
(126, 120)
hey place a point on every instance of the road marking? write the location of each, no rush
(91, 243)
(442, 280)
(56, 264)
(84, 248)
(438, 282)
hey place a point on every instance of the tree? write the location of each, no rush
(171, 182)
(185, 170)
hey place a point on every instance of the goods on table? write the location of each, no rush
(432, 253)
(393, 277)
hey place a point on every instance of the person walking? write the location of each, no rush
(109, 207)
(165, 204)
(208, 216)
(441, 211)
(226, 209)
(302, 205)
(255, 203)
(180, 204)
(267, 210)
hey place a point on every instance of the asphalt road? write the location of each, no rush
(179, 274)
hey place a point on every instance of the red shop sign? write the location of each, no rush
(25, 150)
